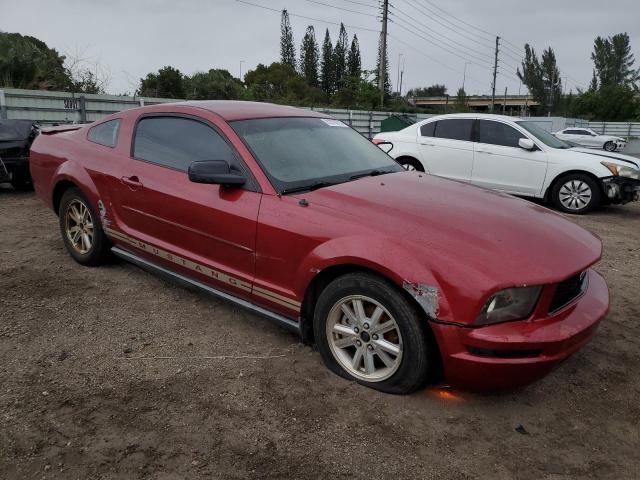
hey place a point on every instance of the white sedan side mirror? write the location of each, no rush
(526, 143)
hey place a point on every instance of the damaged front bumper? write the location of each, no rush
(621, 190)
(513, 354)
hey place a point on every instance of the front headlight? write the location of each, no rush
(622, 170)
(509, 304)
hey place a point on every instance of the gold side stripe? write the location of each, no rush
(262, 291)
(275, 300)
(197, 267)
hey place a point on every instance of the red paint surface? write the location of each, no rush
(465, 241)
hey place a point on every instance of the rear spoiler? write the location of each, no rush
(60, 129)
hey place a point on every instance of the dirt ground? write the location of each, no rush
(113, 373)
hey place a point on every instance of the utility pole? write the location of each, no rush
(504, 104)
(495, 72)
(398, 77)
(464, 75)
(383, 50)
(241, 62)
(401, 75)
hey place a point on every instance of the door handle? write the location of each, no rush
(425, 143)
(484, 151)
(132, 182)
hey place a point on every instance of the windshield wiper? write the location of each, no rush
(372, 173)
(306, 188)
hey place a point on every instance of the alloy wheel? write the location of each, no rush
(364, 338)
(408, 167)
(575, 195)
(79, 226)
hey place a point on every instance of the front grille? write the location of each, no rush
(567, 291)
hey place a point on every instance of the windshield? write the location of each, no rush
(545, 137)
(300, 153)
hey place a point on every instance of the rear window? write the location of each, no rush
(455, 129)
(105, 133)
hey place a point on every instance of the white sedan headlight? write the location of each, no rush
(622, 170)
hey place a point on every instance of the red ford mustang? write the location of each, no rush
(399, 277)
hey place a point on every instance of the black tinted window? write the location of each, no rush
(177, 142)
(456, 129)
(572, 132)
(428, 129)
(105, 134)
(496, 133)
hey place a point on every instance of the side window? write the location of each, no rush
(177, 142)
(455, 129)
(105, 133)
(428, 129)
(496, 133)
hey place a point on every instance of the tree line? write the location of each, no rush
(331, 74)
(612, 94)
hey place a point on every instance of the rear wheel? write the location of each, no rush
(81, 230)
(576, 193)
(609, 147)
(410, 164)
(368, 332)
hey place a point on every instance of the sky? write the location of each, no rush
(434, 40)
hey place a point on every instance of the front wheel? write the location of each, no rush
(610, 147)
(576, 193)
(368, 332)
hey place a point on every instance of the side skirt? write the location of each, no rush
(285, 322)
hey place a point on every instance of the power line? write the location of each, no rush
(484, 54)
(458, 19)
(405, 25)
(456, 29)
(342, 8)
(363, 4)
(506, 44)
(306, 17)
(433, 59)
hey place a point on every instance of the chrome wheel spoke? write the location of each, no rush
(385, 327)
(387, 346)
(350, 315)
(358, 308)
(384, 356)
(369, 366)
(357, 359)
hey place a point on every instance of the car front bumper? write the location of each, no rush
(514, 354)
(621, 189)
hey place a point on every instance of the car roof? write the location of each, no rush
(484, 116)
(231, 110)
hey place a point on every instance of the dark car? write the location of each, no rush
(16, 137)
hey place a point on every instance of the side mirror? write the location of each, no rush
(526, 143)
(216, 172)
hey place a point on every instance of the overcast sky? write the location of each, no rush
(130, 38)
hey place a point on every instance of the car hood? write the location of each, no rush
(602, 156)
(495, 238)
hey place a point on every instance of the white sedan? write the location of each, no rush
(588, 138)
(516, 156)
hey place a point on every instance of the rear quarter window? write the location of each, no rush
(428, 129)
(105, 133)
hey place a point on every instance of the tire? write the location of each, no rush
(21, 181)
(80, 228)
(609, 147)
(576, 193)
(409, 355)
(410, 164)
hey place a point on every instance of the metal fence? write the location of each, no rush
(49, 108)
